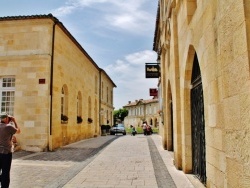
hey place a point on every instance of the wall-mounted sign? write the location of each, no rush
(153, 92)
(42, 81)
(152, 70)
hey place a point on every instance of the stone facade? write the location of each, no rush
(208, 38)
(106, 112)
(53, 76)
(140, 111)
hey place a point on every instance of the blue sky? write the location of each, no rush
(117, 34)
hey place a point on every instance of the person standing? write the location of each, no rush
(7, 130)
(133, 131)
(144, 127)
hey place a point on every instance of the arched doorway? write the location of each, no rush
(198, 124)
(170, 131)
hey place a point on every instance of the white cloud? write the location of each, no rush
(141, 57)
(132, 65)
(130, 77)
(127, 16)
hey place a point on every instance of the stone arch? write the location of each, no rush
(198, 123)
(170, 127)
(186, 118)
(193, 119)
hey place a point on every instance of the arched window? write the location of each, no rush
(64, 104)
(79, 107)
(107, 94)
(96, 84)
(89, 110)
(102, 90)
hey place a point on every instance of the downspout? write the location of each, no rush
(51, 85)
(100, 84)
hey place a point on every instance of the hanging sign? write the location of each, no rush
(152, 70)
(153, 92)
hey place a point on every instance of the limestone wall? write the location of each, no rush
(217, 31)
(25, 54)
(43, 57)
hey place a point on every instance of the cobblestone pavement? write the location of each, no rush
(102, 162)
(52, 169)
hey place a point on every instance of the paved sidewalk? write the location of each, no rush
(102, 162)
(131, 162)
(54, 169)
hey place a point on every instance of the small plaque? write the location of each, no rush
(42, 81)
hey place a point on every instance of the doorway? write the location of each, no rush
(198, 124)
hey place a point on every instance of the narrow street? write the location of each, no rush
(106, 161)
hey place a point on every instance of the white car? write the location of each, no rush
(119, 128)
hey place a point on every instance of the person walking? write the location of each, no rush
(8, 127)
(133, 131)
(144, 127)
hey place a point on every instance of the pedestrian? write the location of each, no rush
(149, 130)
(8, 127)
(133, 131)
(144, 127)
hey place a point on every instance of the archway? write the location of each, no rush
(170, 125)
(197, 123)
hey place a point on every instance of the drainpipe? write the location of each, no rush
(100, 89)
(51, 83)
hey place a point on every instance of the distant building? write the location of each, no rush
(142, 110)
(56, 91)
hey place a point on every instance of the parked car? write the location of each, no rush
(119, 128)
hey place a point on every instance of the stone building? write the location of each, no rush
(203, 49)
(49, 83)
(142, 110)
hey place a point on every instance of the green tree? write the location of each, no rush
(120, 114)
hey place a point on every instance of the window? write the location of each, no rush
(7, 95)
(107, 95)
(102, 90)
(79, 108)
(111, 97)
(64, 104)
(96, 84)
(89, 108)
(62, 101)
(79, 104)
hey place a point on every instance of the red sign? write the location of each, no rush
(153, 92)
